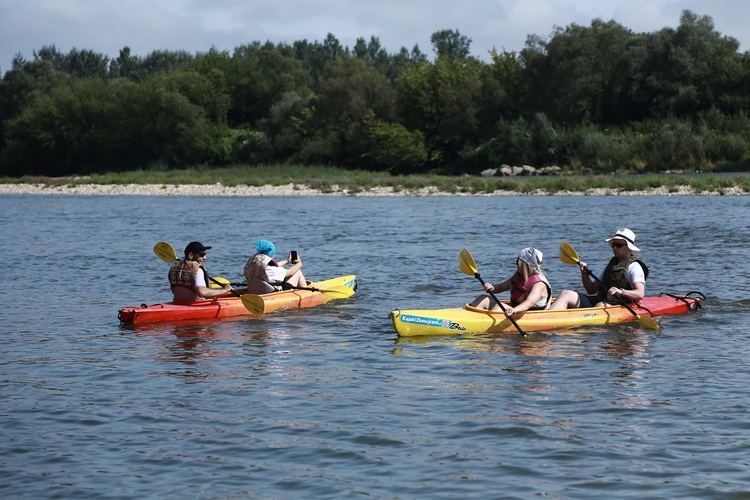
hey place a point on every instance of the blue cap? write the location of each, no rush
(266, 247)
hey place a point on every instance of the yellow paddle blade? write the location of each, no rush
(254, 303)
(567, 254)
(219, 281)
(165, 252)
(466, 262)
(648, 322)
(339, 292)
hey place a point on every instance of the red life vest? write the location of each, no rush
(520, 289)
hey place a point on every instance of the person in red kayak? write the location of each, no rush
(263, 266)
(189, 279)
(529, 288)
(624, 277)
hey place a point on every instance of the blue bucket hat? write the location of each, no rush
(266, 247)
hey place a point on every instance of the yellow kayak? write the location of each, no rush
(468, 319)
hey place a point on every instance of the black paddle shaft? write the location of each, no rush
(601, 284)
(233, 291)
(490, 292)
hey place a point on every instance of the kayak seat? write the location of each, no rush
(258, 286)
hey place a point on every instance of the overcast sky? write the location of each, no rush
(106, 26)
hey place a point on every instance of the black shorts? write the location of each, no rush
(586, 301)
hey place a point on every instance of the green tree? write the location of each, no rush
(502, 91)
(22, 85)
(450, 43)
(580, 74)
(347, 95)
(442, 101)
(61, 133)
(394, 148)
(687, 70)
(257, 78)
(316, 56)
(289, 122)
(175, 118)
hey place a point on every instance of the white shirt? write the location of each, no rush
(275, 274)
(200, 279)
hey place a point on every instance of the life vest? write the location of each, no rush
(615, 276)
(182, 279)
(255, 267)
(520, 289)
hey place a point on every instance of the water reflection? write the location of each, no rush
(193, 344)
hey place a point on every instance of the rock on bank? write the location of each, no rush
(302, 190)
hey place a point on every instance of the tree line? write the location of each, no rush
(596, 98)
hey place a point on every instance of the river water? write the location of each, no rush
(328, 402)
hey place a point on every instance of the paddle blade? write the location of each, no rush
(219, 282)
(648, 322)
(466, 262)
(254, 303)
(567, 254)
(338, 292)
(165, 252)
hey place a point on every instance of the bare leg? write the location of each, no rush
(568, 299)
(297, 279)
(485, 302)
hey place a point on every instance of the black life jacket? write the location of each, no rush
(615, 276)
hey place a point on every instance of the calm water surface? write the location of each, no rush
(327, 402)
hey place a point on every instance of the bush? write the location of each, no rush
(394, 148)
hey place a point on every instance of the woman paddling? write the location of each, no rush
(529, 288)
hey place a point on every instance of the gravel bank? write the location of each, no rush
(301, 190)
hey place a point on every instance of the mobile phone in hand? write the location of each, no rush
(295, 256)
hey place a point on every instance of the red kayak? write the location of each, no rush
(318, 293)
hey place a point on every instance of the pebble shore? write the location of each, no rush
(301, 190)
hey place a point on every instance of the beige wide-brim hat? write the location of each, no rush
(627, 235)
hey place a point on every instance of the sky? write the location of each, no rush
(106, 26)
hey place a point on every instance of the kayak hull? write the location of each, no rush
(468, 319)
(232, 306)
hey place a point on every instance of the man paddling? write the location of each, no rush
(624, 277)
(189, 279)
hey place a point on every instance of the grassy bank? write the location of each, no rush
(325, 178)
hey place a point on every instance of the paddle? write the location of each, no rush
(468, 266)
(253, 303)
(166, 252)
(256, 305)
(341, 292)
(568, 255)
(220, 281)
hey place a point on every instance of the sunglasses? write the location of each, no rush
(618, 245)
(202, 254)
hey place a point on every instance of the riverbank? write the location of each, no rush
(292, 189)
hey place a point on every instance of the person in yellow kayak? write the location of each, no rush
(263, 266)
(529, 288)
(624, 277)
(189, 279)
